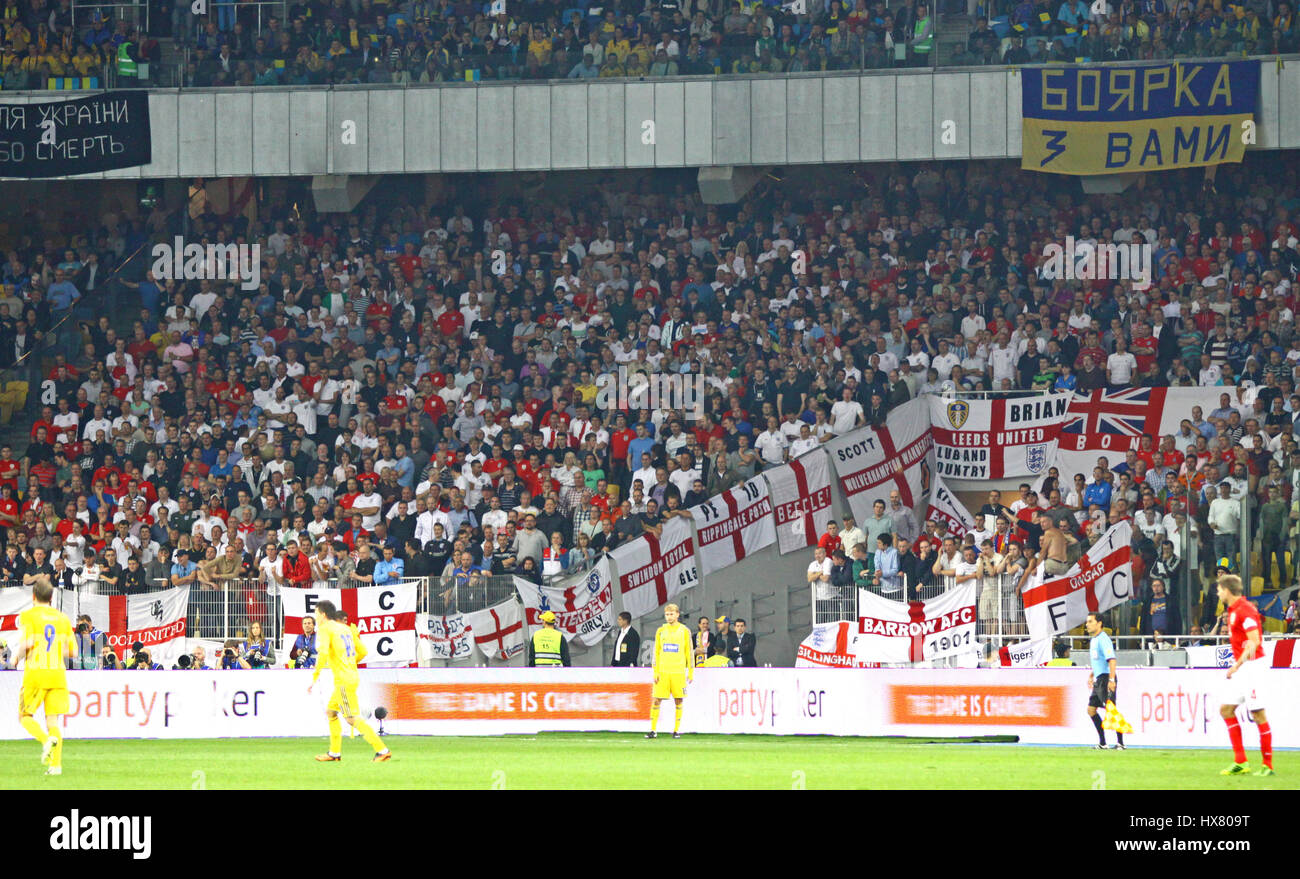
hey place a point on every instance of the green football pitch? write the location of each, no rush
(625, 760)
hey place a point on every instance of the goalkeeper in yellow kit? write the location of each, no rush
(45, 645)
(340, 648)
(674, 667)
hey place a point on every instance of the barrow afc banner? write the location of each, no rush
(81, 136)
(801, 500)
(916, 631)
(1125, 118)
(732, 525)
(995, 439)
(873, 461)
(1099, 580)
(384, 617)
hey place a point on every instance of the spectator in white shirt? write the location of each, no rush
(944, 361)
(369, 505)
(819, 575)
(1121, 365)
(771, 444)
(806, 441)
(846, 415)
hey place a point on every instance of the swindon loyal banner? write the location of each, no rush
(873, 461)
(801, 500)
(916, 631)
(81, 136)
(1099, 580)
(946, 508)
(1095, 120)
(994, 439)
(651, 570)
(384, 616)
(732, 525)
(583, 604)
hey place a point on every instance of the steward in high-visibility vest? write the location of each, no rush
(1062, 655)
(125, 63)
(548, 647)
(923, 34)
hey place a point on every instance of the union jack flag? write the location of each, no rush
(1131, 412)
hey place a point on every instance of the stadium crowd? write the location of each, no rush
(411, 389)
(375, 41)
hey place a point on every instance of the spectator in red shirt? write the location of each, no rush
(830, 541)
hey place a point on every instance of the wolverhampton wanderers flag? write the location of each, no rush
(1116, 119)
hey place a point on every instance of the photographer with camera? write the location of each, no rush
(109, 660)
(183, 663)
(257, 648)
(231, 658)
(143, 660)
(199, 659)
(91, 644)
(303, 653)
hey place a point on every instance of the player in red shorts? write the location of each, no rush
(1245, 678)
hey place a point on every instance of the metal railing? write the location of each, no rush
(229, 611)
(449, 594)
(139, 12)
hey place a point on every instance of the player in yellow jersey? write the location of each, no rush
(46, 642)
(674, 667)
(339, 648)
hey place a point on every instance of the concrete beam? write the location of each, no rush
(727, 184)
(339, 193)
(1108, 184)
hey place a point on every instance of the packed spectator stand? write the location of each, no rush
(385, 405)
(65, 44)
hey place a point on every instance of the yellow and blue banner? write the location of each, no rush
(1124, 118)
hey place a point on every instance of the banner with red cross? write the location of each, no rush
(916, 631)
(498, 630)
(583, 603)
(734, 524)
(651, 570)
(873, 461)
(384, 617)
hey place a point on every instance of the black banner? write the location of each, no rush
(81, 136)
